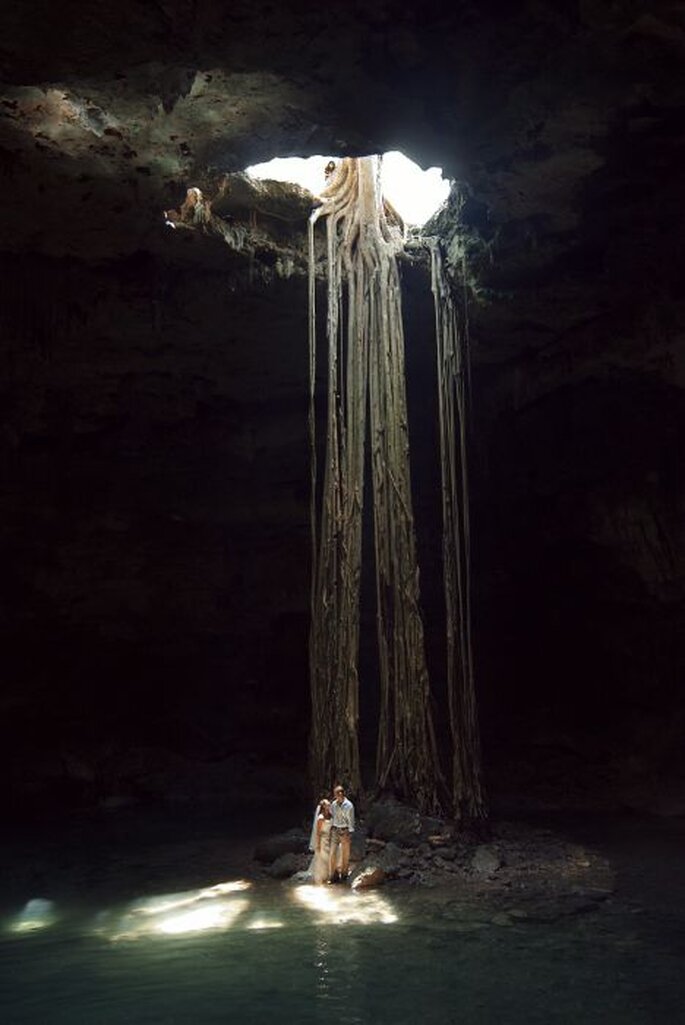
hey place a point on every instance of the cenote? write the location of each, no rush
(300, 487)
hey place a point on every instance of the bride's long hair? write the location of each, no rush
(319, 810)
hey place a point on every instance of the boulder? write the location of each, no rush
(391, 820)
(286, 866)
(358, 845)
(485, 861)
(368, 877)
(294, 841)
(431, 827)
(390, 859)
(388, 862)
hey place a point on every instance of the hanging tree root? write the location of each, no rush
(365, 368)
(468, 793)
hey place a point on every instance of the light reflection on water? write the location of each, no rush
(36, 914)
(324, 961)
(209, 909)
(342, 906)
(218, 908)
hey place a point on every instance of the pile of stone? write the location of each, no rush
(401, 844)
(522, 873)
(392, 842)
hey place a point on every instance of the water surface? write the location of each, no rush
(122, 946)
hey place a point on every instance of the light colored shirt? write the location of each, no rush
(343, 814)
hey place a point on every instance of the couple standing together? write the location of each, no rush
(331, 838)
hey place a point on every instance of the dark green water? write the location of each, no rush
(273, 953)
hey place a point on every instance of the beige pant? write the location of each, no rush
(340, 849)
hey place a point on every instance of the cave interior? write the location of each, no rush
(155, 489)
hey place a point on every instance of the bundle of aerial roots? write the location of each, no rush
(366, 417)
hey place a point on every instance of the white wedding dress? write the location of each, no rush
(319, 865)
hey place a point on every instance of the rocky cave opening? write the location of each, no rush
(155, 527)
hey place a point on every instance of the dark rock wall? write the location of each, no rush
(581, 579)
(155, 518)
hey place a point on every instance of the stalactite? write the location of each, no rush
(365, 370)
(453, 396)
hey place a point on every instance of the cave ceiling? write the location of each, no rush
(563, 121)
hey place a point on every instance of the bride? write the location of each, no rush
(320, 842)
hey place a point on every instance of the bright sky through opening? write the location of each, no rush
(415, 194)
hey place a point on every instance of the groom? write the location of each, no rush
(342, 828)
